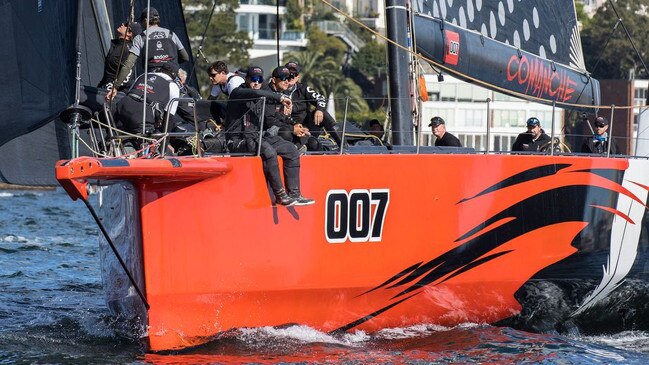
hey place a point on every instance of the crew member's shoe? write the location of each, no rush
(300, 200)
(282, 198)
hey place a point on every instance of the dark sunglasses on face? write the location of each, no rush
(294, 75)
(285, 78)
(213, 75)
(257, 79)
(599, 126)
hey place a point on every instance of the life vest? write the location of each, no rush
(157, 90)
(162, 48)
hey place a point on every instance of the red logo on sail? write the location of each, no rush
(451, 47)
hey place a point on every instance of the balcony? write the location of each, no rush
(263, 2)
(341, 31)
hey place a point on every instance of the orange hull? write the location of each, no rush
(420, 239)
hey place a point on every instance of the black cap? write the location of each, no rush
(435, 121)
(255, 71)
(153, 13)
(281, 72)
(170, 68)
(533, 122)
(293, 66)
(136, 28)
(601, 122)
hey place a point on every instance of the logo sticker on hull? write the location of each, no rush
(356, 216)
(451, 48)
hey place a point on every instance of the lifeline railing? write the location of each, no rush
(490, 134)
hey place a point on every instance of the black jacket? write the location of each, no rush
(274, 115)
(118, 52)
(304, 96)
(244, 111)
(525, 142)
(448, 140)
(592, 145)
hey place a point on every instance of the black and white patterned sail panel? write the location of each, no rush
(546, 28)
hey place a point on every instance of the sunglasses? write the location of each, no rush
(600, 126)
(257, 79)
(294, 75)
(285, 78)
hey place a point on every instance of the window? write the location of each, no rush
(267, 26)
(640, 96)
(244, 23)
(447, 92)
(509, 118)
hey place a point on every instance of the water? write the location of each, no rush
(52, 311)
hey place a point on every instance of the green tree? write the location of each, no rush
(607, 50)
(582, 17)
(324, 75)
(317, 71)
(294, 15)
(371, 60)
(222, 41)
(321, 43)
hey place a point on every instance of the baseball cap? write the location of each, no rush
(255, 71)
(601, 122)
(293, 66)
(136, 28)
(435, 121)
(153, 13)
(281, 73)
(533, 122)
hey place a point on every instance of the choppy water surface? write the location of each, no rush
(52, 311)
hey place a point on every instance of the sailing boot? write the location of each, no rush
(299, 199)
(282, 198)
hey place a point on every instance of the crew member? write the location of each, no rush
(534, 140)
(600, 140)
(443, 138)
(164, 47)
(243, 128)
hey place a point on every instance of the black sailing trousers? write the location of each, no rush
(271, 147)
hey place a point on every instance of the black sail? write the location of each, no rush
(38, 66)
(529, 49)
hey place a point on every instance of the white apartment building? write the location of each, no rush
(259, 19)
(465, 109)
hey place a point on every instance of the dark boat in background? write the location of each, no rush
(400, 237)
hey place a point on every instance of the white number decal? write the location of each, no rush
(357, 216)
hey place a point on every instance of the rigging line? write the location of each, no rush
(467, 77)
(599, 59)
(628, 35)
(121, 52)
(117, 255)
(131, 18)
(277, 26)
(608, 39)
(147, 31)
(200, 45)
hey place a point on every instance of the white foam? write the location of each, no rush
(14, 238)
